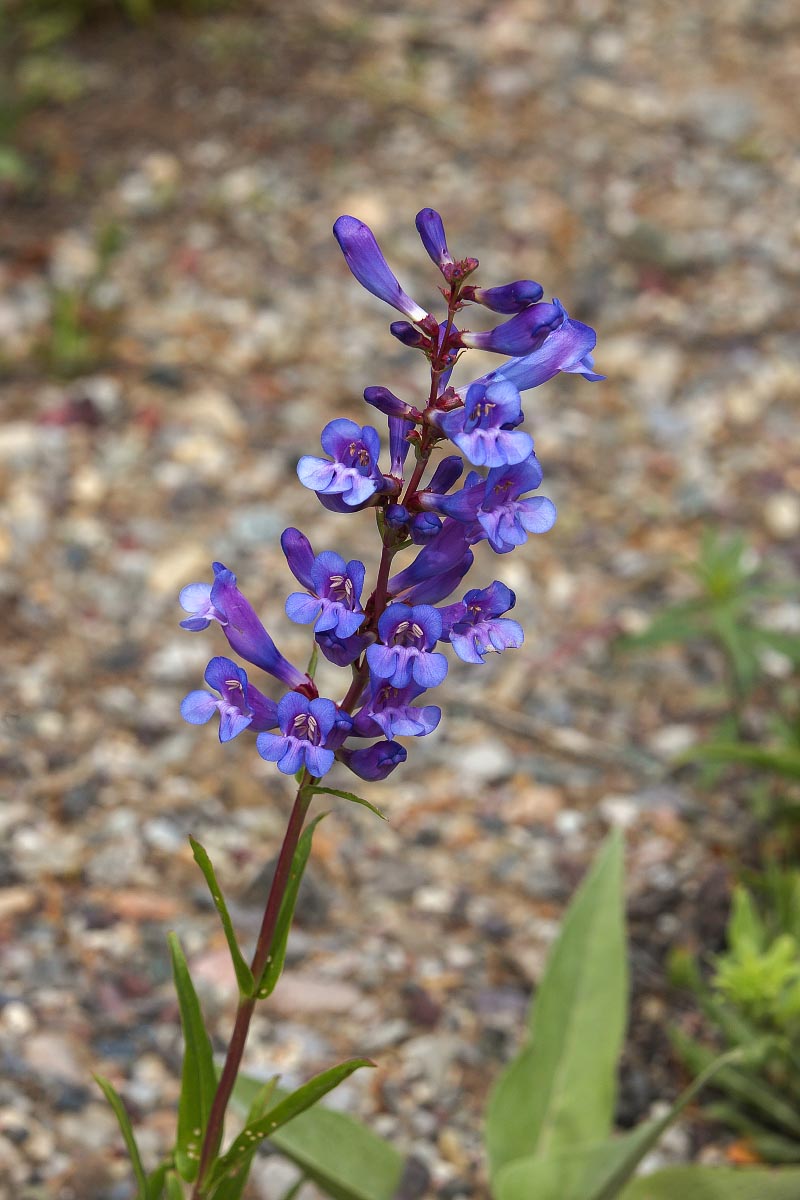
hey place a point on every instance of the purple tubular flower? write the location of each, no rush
(376, 762)
(245, 633)
(568, 348)
(510, 298)
(448, 472)
(396, 516)
(337, 504)
(364, 258)
(342, 728)
(438, 568)
(479, 429)
(341, 651)
(424, 527)
(523, 334)
(431, 231)
(239, 704)
(409, 335)
(386, 402)
(299, 555)
(399, 446)
(476, 626)
(408, 635)
(507, 520)
(353, 474)
(305, 724)
(335, 600)
(389, 710)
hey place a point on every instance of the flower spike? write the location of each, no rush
(390, 642)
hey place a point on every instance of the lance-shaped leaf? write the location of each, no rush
(199, 1080)
(233, 1185)
(284, 1111)
(244, 976)
(157, 1181)
(277, 957)
(716, 1183)
(598, 1171)
(559, 1092)
(114, 1099)
(351, 796)
(344, 1158)
(174, 1189)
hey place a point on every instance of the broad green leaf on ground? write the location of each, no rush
(716, 1183)
(124, 1121)
(595, 1172)
(284, 1111)
(342, 1156)
(272, 973)
(559, 1092)
(198, 1080)
(244, 976)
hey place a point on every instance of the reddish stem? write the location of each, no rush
(244, 1013)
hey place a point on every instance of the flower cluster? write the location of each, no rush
(389, 640)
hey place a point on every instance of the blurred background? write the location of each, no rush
(176, 325)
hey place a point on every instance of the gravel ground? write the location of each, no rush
(642, 161)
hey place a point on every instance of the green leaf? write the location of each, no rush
(261, 1099)
(174, 1187)
(743, 1084)
(272, 972)
(232, 1187)
(199, 1080)
(746, 932)
(787, 644)
(781, 760)
(559, 1092)
(595, 1172)
(13, 168)
(244, 976)
(157, 1179)
(284, 1111)
(770, 1146)
(715, 1183)
(113, 1098)
(326, 791)
(739, 644)
(343, 1157)
(676, 624)
(294, 1190)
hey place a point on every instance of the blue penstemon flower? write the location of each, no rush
(305, 725)
(406, 652)
(352, 470)
(476, 626)
(390, 639)
(239, 703)
(334, 602)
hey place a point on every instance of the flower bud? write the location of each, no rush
(510, 298)
(387, 403)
